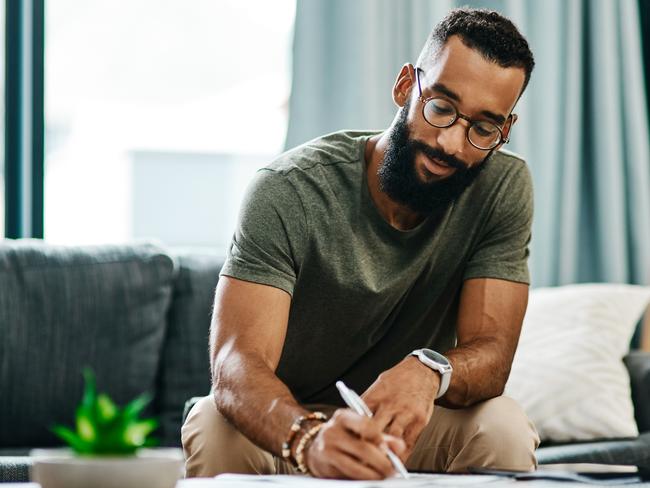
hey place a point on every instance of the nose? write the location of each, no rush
(453, 139)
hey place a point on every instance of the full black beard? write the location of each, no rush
(398, 176)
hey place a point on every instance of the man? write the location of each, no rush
(359, 248)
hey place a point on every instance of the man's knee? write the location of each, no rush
(213, 446)
(499, 436)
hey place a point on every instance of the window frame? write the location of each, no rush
(24, 118)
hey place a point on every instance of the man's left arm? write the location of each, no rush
(493, 298)
(491, 312)
(489, 323)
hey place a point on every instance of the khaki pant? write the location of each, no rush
(495, 433)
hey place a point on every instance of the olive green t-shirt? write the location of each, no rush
(365, 294)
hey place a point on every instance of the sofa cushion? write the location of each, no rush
(14, 468)
(568, 372)
(185, 368)
(14, 465)
(63, 308)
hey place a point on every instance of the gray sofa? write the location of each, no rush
(139, 316)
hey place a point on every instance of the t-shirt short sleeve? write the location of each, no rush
(502, 249)
(268, 242)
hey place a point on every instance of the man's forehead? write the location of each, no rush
(479, 84)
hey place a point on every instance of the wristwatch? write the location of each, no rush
(436, 362)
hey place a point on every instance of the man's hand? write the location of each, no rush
(402, 400)
(351, 446)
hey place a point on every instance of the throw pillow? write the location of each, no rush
(568, 372)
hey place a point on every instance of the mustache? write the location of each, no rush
(438, 154)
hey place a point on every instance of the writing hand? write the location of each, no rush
(349, 446)
(402, 400)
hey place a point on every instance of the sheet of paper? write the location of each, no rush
(289, 481)
(457, 480)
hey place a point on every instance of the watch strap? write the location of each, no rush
(445, 379)
(443, 370)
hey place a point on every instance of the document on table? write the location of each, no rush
(290, 481)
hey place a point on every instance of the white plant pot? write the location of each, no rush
(148, 468)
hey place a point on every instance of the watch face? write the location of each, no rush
(434, 356)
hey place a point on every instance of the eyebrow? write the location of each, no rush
(439, 87)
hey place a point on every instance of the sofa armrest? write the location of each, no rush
(638, 366)
(188, 406)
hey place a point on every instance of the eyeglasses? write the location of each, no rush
(441, 113)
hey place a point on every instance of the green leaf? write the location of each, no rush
(85, 426)
(151, 442)
(71, 438)
(136, 433)
(135, 407)
(106, 409)
(114, 446)
(89, 397)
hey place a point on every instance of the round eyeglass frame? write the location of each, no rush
(457, 116)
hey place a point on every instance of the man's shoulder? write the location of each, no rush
(337, 148)
(505, 158)
(505, 167)
(307, 169)
(505, 179)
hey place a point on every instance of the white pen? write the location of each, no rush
(356, 403)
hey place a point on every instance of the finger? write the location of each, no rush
(395, 444)
(363, 427)
(369, 400)
(412, 434)
(369, 455)
(352, 468)
(414, 429)
(399, 425)
(383, 418)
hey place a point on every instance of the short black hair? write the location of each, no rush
(490, 33)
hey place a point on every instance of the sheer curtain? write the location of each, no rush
(583, 124)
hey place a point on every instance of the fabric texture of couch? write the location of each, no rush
(139, 315)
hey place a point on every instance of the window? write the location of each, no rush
(159, 113)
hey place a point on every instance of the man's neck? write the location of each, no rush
(396, 214)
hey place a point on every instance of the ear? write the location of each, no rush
(403, 84)
(507, 127)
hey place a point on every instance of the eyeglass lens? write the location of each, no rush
(441, 113)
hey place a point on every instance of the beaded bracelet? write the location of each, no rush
(295, 428)
(302, 444)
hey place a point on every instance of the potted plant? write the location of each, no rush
(110, 447)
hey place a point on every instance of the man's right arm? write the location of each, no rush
(249, 326)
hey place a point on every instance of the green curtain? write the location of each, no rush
(583, 124)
